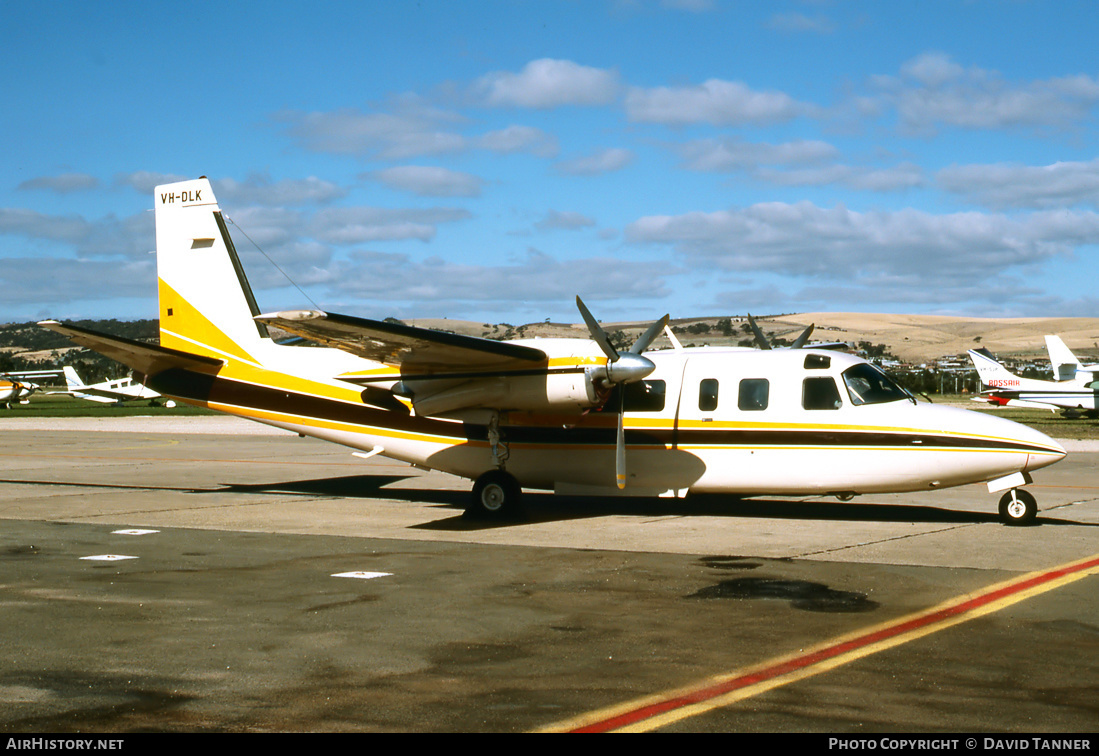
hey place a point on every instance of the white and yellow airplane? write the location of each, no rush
(108, 392)
(568, 415)
(16, 386)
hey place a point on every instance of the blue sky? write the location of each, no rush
(490, 160)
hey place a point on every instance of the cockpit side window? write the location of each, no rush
(820, 394)
(867, 384)
(645, 396)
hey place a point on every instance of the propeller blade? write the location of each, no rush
(803, 339)
(646, 338)
(620, 446)
(621, 368)
(599, 336)
(760, 338)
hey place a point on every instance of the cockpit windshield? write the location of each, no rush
(867, 384)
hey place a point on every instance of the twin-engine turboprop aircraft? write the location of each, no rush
(568, 415)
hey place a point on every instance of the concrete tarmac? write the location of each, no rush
(158, 577)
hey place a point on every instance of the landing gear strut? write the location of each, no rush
(1018, 507)
(496, 496)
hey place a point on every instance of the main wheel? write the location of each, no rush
(496, 495)
(1018, 507)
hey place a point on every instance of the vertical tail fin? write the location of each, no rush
(991, 372)
(206, 304)
(1062, 359)
(72, 380)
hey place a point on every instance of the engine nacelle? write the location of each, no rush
(560, 392)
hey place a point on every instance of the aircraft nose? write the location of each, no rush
(1053, 452)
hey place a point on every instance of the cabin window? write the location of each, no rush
(754, 393)
(867, 384)
(645, 396)
(820, 394)
(817, 362)
(707, 395)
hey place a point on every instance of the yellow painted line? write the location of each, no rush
(662, 709)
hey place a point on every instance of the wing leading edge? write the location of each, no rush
(414, 350)
(147, 359)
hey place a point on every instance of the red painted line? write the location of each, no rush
(709, 692)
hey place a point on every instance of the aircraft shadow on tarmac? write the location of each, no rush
(548, 507)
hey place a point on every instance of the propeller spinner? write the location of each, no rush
(627, 367)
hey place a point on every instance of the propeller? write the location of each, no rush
(627, 367)
(763, 343)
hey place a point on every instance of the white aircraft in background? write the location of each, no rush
(108, 392)
(567, 415)
(1005, 389)
(16, 386)
(1066, 367)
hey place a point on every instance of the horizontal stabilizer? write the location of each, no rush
(413, 349)
(147, 359)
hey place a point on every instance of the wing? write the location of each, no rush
(148, 359)
(117, 396)
(414, 350)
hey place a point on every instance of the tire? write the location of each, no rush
(496, 496)
(1018, 507)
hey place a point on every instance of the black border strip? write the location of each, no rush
(185, 384)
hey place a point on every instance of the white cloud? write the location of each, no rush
(604, 161)
(430, 181)
(146, 181)
(548, 83)
(526, 139)
(933, 90)
(802, 23)
(107, 237)
(843, 245)
(556, 219)
(65, 183)
(33, 281)
(389, 135)
(1002, 185)
(716, 102)
(356, 225)
(735, 154)
(438, 284)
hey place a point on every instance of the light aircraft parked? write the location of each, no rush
(17, 387)
(1066, 367)
(1075, 397)
(108, 392)
(569, 415)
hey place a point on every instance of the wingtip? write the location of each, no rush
(297, 315)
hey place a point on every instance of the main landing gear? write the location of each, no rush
(496, 496)
(1018, 507)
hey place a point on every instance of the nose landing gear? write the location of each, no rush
(1018, 507)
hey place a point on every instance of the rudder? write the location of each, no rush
(206, 303)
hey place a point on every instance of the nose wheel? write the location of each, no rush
(1018, 507)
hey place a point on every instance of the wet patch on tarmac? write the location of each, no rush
(802, 594)
(732, 562)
